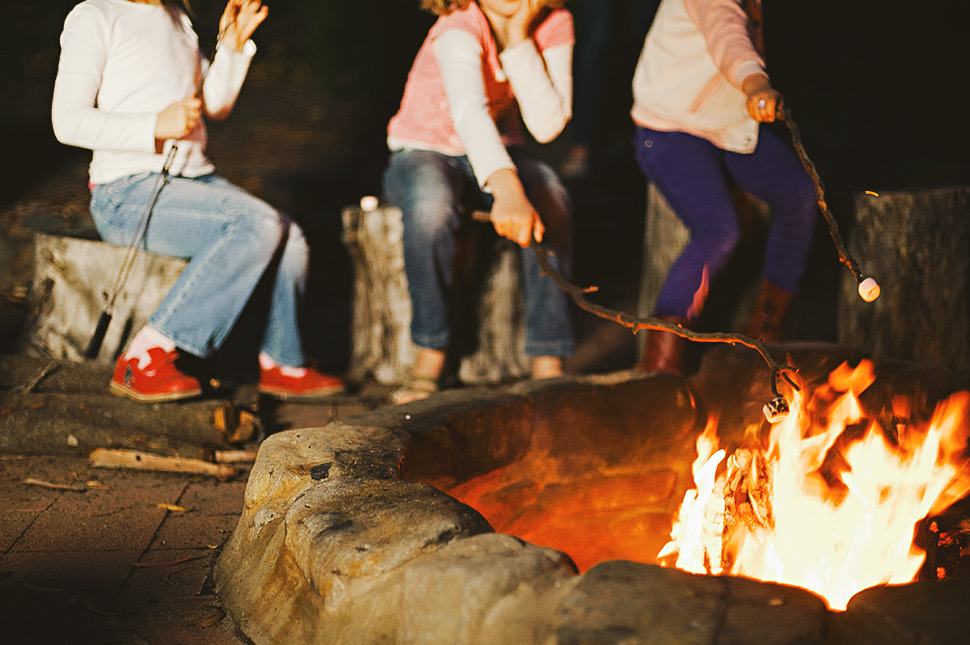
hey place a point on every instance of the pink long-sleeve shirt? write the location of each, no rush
(688, 79)
(464, 97)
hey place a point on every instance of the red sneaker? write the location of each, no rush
(311, 384)
(158, 381)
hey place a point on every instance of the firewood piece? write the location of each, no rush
(747, 501)
(234, 456)
(136, 460)
(236, 424)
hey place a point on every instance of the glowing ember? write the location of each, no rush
(830, 504)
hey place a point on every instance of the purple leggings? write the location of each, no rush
(693, 175)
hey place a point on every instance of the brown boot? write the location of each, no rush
(768, 315)
(665, 350)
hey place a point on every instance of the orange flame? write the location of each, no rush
(842, 513)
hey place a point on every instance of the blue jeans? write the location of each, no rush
(230, 239)
(693, 176)
(432, 189)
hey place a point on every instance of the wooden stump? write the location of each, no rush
(489, 334)
(917, 247)
(664, 238)
(71, 283)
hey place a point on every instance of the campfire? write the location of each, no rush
(829, 498)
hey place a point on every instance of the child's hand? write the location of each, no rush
(763, 101)
(517, 222)
(512, 214)
(178, 119)
(518, 25)
(239, 21)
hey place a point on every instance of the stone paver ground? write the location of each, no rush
(107, 563)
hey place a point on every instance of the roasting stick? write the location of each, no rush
(868, 287)
(774, 410)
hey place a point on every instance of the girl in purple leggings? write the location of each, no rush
(701, 97)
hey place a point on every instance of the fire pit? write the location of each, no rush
(347, 535)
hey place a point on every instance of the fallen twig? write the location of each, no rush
(29, 387)
(77, 488)
(168, 563)
(136, 460)
(234, 456)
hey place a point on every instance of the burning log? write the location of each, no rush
(747, 502)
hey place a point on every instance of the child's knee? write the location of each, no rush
(430, 219)
(717, 244)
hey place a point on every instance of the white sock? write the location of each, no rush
(268, 363)
(145, 340)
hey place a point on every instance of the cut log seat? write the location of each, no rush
(916, 244)
(72, 281)
(488, 331)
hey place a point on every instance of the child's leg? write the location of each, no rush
(427, 187)
(281, 339)
(228, 236)
(774, 174)
(689, 173)
(548, 325)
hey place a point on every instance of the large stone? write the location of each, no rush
(626, 602)
(452, 596)
(916, 244)
(928, 612)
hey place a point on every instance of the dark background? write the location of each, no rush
(877, 89)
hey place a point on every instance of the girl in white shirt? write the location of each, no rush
(456, 146)
(131, 84)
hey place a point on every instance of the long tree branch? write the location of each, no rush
(636, 323)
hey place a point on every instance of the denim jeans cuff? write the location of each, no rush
(564, 347)
(431, 341)
(189, 348)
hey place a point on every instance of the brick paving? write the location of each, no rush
(97, 555)
(107, 564)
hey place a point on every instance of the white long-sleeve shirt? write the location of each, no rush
(121, 64)
(542, 84)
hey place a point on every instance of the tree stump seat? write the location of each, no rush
(72, 280)
(915, 243)
(488, 332)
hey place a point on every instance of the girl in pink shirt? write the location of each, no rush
(456, 146)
